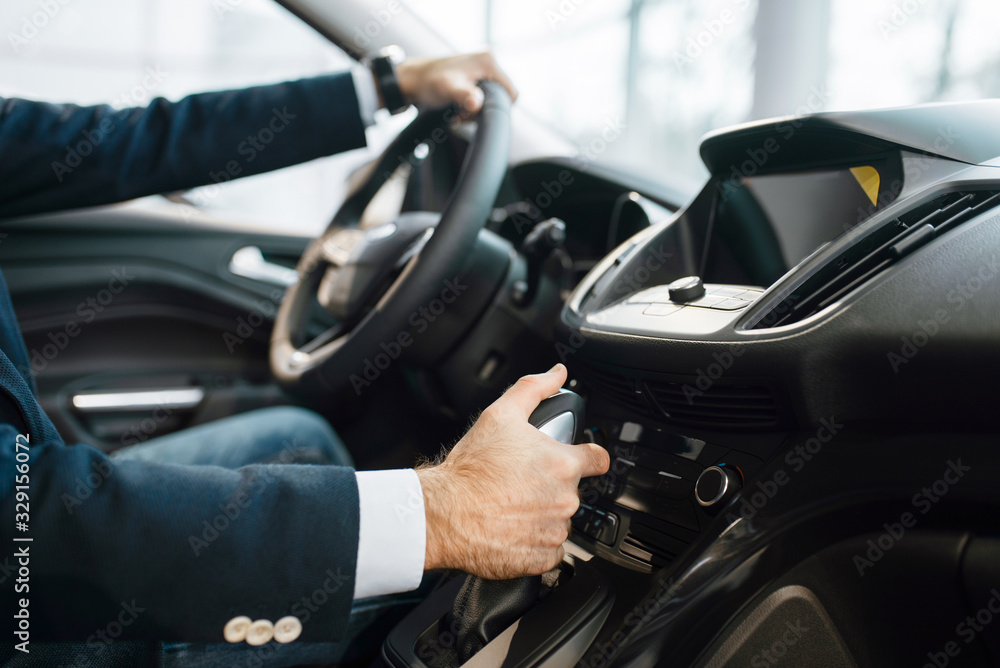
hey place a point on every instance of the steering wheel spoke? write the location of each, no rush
(372, 280)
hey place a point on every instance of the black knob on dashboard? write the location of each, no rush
(686, 289)
(716, 485)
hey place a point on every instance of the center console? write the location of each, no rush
(663, 487)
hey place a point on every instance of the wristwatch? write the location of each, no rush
(382, 64)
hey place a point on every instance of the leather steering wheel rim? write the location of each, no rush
(330, 366)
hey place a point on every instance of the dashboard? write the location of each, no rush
(782, 369)
(786, 296)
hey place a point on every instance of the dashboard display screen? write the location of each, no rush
(768, 224)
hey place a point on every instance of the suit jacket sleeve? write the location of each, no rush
(66, 156)
(145, 551)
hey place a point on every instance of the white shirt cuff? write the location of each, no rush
(364, 86)
(393, 533)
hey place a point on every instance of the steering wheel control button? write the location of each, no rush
(661, 309)
(686, 289)
(287, 629)
(716, 485)
(260, 632)
(236, 629)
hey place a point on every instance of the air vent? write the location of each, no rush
(877, 251)
(679, 401)
(718, 407)
(618, 388)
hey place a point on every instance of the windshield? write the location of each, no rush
(638, 82)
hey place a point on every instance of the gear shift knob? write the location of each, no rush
(559, 416)
(483, 609)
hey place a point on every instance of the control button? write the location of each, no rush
(609, 529)
(716, 485)
(236, 629)
(287, 629)
(708, 301)
(723, 291)
(260, 632)
(731, 305)
(651, 296)
(670, 464)
(686, 289)
(596, 523)
(673, 486)
(661, 309)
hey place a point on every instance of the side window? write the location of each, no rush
(126, 52)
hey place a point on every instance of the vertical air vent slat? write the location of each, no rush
(877, 251)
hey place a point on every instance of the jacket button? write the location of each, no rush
(236, 629)
(260, 632)
(287, 629)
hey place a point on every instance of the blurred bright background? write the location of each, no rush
(668, 71)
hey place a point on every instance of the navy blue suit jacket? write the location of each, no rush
(113, 539)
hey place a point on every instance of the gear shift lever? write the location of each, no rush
(484, 608)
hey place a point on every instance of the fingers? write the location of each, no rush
(594, 460)
(524, 396)
(468, 96)
(494, 73)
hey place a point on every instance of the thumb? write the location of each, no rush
(525, 395)
(594, 460)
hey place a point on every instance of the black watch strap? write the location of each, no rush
(384, 70)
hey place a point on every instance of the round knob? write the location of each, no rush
(686, 289)
(716, 485)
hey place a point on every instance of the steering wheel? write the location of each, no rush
(373, 281)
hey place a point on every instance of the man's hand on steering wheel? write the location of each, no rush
(499, 506)
(435, 82)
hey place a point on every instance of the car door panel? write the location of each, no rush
(117, 299)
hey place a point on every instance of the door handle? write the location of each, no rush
(142, 400)
(249, 262)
